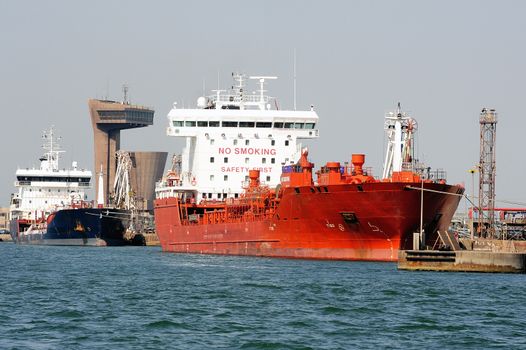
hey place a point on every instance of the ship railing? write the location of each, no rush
(220, 217)
(434, 175)
(231, 98)
(407, 166)
(349, 170)
(245, 184)
(22, 183)
(240, 210)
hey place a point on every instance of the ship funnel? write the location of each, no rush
(254, 178)
(357, 161)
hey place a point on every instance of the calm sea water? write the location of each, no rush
(141, 298)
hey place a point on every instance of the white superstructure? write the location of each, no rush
(231, 132)
(48, 188)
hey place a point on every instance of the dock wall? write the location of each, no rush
(465, 260)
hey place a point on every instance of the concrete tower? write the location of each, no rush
(108, 118)
(487, 165)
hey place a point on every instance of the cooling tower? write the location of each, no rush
(147, 169)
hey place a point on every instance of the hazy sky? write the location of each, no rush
(443, 60)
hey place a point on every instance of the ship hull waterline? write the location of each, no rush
(75, 227)
(309, 224)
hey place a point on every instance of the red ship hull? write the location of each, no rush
(369, 221)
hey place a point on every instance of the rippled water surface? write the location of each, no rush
(140, 298)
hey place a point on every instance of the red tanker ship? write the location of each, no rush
(347, 216)
(345, 213)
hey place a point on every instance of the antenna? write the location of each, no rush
(107, 88)
(125, 93)
(294, 67)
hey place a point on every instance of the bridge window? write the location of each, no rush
(202, 124)
(289, 125)
(112, 114)
(263, 125)
(213, 124)
(246, 124)
(299, 125)
(178, 123)
(278, 125)
(189, 123)
(229, 124)
(309, 125)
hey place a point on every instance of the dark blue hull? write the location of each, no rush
(84, 226)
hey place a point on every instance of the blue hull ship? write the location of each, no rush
(80, 227)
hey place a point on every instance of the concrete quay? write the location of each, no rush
(478, 255)
(462, 261)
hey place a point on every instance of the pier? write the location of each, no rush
(485, 256)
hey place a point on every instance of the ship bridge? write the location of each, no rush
(230, 133)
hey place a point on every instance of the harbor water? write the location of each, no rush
(141, 298)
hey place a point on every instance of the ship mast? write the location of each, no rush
(400, 130)
(49, 161)
(262, 96)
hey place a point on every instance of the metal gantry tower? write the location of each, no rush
(123, 193)
(488, 134)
